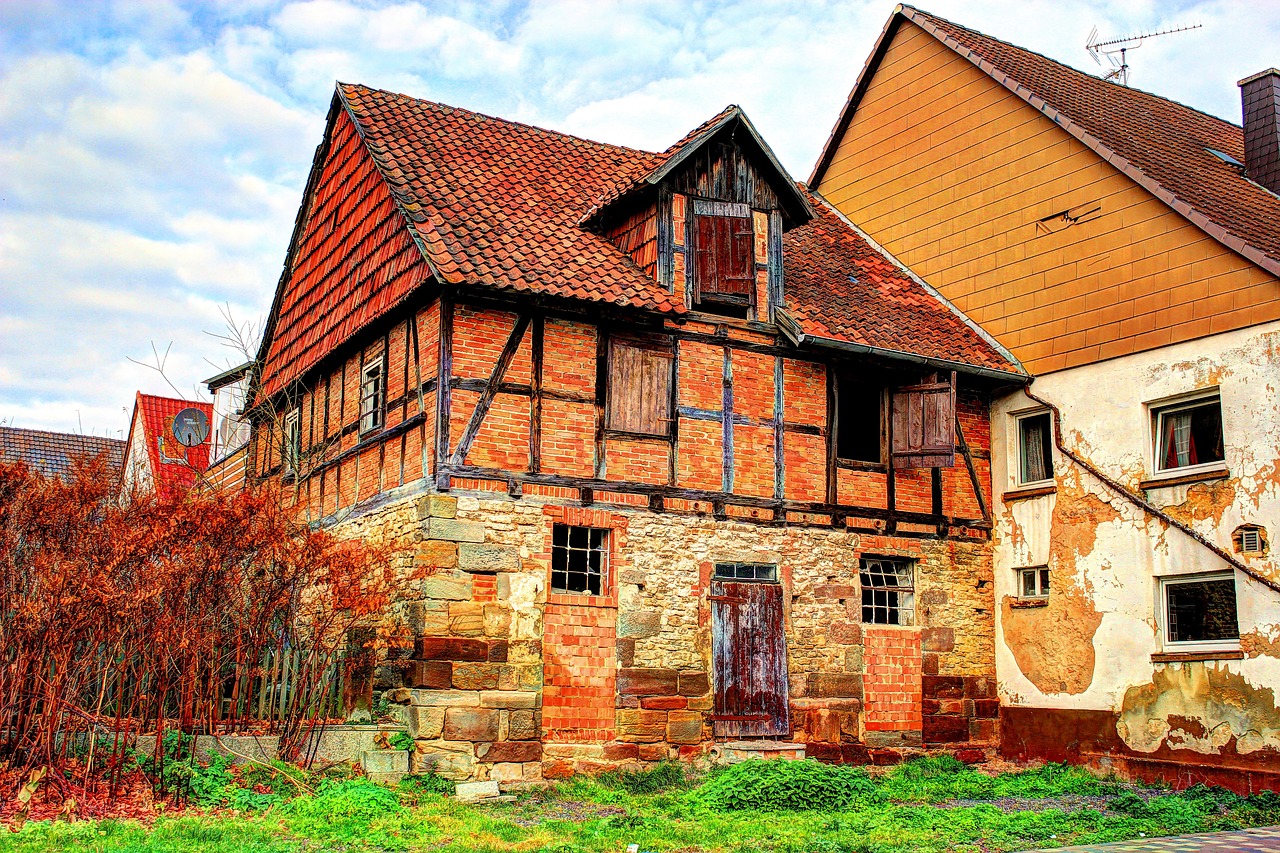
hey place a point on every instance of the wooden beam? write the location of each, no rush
(726, 423)
(779, 457)
(833, 425)
(535, 395)
(490, 391)
(973, 472)
(673, 451)
(602, 382)
(444, 392)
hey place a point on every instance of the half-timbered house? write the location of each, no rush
(681, 457)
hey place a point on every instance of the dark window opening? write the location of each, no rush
(859, 420)
(888, 591)
(724, 266)
(1189, 435)
(579, 559)
(1035, 443)
(639, 389)
(1201, 610)
(747, 572)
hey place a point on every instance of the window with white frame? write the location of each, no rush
(372, 396)
(579, 560)
(1033, 583)
(888, 591)
(1035, 448)
(291, 449)
(1199, 612)
(1188, 434)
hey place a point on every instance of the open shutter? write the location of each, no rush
(923, 423)
(639, 388)
(724, 251)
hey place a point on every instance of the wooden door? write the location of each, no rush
(749, 659)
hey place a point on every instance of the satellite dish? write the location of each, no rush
(190, 427)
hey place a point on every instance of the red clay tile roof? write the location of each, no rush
(172, 465)
(1157, 142)
(838, 284)
(52, 453)
(496, 203)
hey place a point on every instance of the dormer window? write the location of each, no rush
(724, 264)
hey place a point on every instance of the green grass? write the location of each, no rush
(931, 805)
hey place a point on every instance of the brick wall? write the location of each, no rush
(892, 681)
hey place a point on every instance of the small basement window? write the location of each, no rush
(1200, 611)
(1033, 582)
(1188, 434)
(859, 420)
(888, 591)
(747, 572)
(372, 396)
(1035, 449)
(579, 559)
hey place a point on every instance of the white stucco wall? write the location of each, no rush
(1092, 646)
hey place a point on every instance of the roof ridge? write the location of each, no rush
(918, 11)
(6, 428)
(506, 121)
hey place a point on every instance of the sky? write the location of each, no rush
(153, 153)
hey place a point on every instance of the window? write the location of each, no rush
(1188, 434)
(747, 572)
(724, 265)
(640, 387)
(291, 451)
(372, 396)
(1200, 611)
(1035, 449)
(888, 593)
(579, 559)
(1033, 582)
(859, 420)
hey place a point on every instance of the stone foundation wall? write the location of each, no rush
(500, 679)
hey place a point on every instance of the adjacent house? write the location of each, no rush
(154, 457)
(680, 456)
(54, 453)
(229, 430)
(1126, 249)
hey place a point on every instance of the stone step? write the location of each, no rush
(732, 752)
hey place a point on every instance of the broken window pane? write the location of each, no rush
(1034, 449)
(579, 559)
(1189, 434)
(888, 592)
(1201, 610)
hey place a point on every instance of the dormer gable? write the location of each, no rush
(707, 220)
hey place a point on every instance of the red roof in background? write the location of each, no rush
(840, 285)
(1157, 142)
(52, 453)
(172, 465)
(496, 203)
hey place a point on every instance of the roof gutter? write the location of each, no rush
(791, 329)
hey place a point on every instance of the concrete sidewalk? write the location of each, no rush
(1245, 841)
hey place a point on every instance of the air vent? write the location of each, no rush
(1250, 539)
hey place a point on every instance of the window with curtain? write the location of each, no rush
(1035, 454)
(1189, 434)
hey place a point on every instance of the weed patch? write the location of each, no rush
(786, 785)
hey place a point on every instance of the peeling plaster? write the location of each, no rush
(1201, 708)
(1258, 643)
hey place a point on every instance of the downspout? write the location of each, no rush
(1141, 502)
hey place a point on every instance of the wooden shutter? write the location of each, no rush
(724, 251)
(639, 388)
(749, 659)
(923, 423)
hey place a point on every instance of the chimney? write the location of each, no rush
(1260, 100)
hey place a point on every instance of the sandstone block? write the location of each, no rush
(449, 584)
(398, 696)
(987, 709)
(626, 652)
(822, 725)
(454, 530)
(847, 633)
(942, 686)
(524, 651)
(452, 761)
(513, 751)
(522, 725)
(645, 681)
(426, 721)
(466, 619)
(620, 751)
(983, 730)
(701, 703)
(475, 676)
(684, 727)
(436, 506)
(505, 773)
(653, 752)
(838, 685)
(837, 591)
(980, 687)
(497, 620)
(639, 623)
(427, 617)
(693, 683)
(431, 674)
(385, 766)
(665, 703)
(853, 660)
(498, 651)
(558, 769)
(471, 792)
(640, 726)
(519, 676)
(944, 729)
(450, 648)
(441, 555)
(473, 724)
(508, 699)
(447, 698)
(938, 639)
(488, 559)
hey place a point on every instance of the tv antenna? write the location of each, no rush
(1116, 50)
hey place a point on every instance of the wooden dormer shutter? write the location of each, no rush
(923, 423)
(723, 251)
